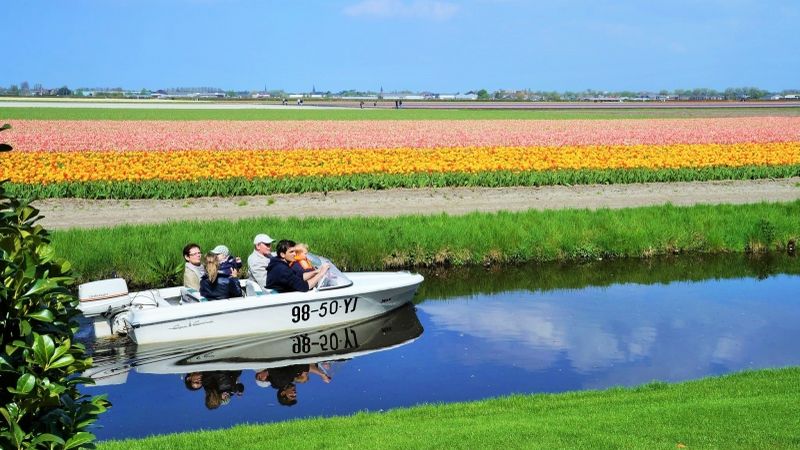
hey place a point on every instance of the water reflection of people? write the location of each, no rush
(283, 380)
(219, 385)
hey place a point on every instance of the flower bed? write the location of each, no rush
(318, 155)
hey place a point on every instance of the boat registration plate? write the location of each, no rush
(302, 313)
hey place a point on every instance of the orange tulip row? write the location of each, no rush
(45, 167)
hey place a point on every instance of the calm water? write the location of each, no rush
(486, 333)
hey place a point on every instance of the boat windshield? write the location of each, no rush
(334, 278)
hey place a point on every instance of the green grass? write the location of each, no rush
(444, 283)
(78, 113)
(158, 189)
(440, 240)
(742, 411)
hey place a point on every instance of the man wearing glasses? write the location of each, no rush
(258, 260)
(193, 270)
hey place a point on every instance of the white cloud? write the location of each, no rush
(417, 9)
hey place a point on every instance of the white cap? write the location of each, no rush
(221, 250)
(264, 384)
(262, 238)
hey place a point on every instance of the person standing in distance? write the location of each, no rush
(258, 261)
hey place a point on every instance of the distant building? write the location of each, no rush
(207, 95)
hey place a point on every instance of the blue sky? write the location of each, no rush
(441, 45)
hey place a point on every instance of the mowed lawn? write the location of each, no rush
(750, 410)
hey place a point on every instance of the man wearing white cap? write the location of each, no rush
(258, 260)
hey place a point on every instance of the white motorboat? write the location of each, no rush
(113, 362)
(178, 313)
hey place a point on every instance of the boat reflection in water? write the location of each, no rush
(279, 360)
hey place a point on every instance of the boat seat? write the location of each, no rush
(191, 295)
(251, 288)
(159, 299)
(148, 299)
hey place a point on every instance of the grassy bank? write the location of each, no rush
(441, 240)
(745, 410)
(158, 189)
(443, 283)
(77, 113)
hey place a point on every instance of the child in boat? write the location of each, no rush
(301, 264)
(227, 263)
(216, 284)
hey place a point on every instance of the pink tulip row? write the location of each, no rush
(62, 135)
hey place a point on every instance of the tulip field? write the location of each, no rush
(174, 159)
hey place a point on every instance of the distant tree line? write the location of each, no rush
(737, 93)
(24, 89)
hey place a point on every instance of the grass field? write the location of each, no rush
(441, 240)
(741, 411)
(11, 113)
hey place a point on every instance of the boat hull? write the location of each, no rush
(372, 294)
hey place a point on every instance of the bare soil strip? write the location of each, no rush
(78, 213)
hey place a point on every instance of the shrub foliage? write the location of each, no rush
(40, 404)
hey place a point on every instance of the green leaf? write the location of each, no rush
(41, 286)
(65, 266)
(44, 348)
(26, 383)
(25, 327)
(4, 412)
(46, 437)
(78, 440)
(61, 362)
(44, 315)
(5, 126)
(62, 349)
(18, 435)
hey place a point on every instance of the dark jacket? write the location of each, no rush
(223, 380)
(282, 278)
(280, 377)
(223, 287)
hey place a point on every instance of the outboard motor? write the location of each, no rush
(107, 302)
(98, 297)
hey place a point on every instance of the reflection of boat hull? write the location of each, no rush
(386, 331)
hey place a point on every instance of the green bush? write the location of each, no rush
(40, 404)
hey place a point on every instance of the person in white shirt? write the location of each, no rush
(258, 260)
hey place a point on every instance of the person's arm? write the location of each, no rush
(190, 279)
(258, 272)
(313, 368)
(307, 275)
(313, 281)
(205, 287)
(234, 288)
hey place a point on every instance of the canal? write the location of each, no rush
(471, 334)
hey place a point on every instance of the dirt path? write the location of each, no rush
(70, 213)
